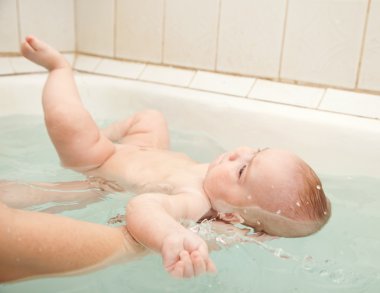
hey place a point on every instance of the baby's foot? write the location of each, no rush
(42, 54)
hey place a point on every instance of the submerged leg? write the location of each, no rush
(75, 135)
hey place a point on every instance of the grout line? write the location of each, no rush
(74, 61)
(75, 26)
(163, 34)
(321, 99)
(217, 35)
(361, 55)
(192, 79)
(114, 28)
(18, 23)
(283, 39)
(97, 64)
(141, 72)
(251, 88)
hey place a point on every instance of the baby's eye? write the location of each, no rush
(242, 170)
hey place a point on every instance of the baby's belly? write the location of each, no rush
(141, 171)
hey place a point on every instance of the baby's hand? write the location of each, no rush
(185, 255)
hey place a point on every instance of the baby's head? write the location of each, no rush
(272, 190)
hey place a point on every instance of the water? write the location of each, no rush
(343, 257)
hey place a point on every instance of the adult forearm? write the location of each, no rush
(33, 244)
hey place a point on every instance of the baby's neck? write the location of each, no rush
(211, 214)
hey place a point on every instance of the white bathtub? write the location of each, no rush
(342, 257)
(331, 143)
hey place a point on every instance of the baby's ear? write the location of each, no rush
(262, 237)
(233, 218)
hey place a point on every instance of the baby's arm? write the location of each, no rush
(153, 220)
(33, 244)
(76, 137)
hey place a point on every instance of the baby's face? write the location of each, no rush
(248, 177)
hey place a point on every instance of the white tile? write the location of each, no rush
(95, 26)
(5, 66)
(139, 29)
(250, 36)
(370, 71)
(323, 41)
(167, 75)
(351, 103)
(8, 26)
(23, 65)
(49, 20)
(70, 58)
(191, 33)
(286, 93)
(120, 68)
(222, 83)
(86, 63)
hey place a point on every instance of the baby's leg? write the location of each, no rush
(42, 54)
(75, 135)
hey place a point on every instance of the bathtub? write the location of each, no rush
(332, 143)
(344, 150)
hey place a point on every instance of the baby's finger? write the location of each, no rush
(188, 265)
(210, 266)
(198, 263)
(177, 271)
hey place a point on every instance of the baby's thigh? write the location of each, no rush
(149, 129)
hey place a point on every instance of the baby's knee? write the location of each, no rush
(151, 115)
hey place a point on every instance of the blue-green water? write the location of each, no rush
(343, 257)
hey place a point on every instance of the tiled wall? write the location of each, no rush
(325, 42)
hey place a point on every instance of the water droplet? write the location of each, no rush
(308, 263)
(318, 187)
(323, 273)
(278, 212)
(278, 252)
(220, 240)
(298, 204)
(258, 222)
(325, 213)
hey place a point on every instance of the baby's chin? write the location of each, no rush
(221, 207)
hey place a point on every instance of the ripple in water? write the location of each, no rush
(325, 273)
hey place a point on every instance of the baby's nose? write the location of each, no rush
(233, 156)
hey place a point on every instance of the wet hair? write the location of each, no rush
(310, 213)
(314, 204)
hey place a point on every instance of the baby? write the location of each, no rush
(271, 190)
